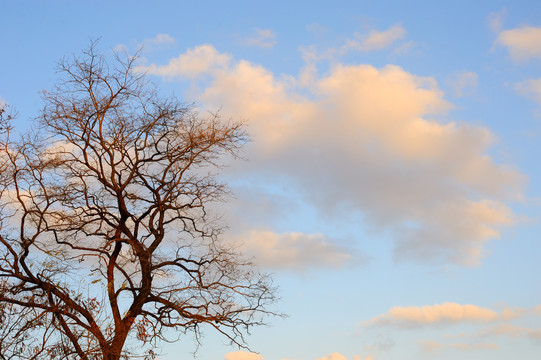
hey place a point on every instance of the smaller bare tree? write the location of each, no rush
(106, 243)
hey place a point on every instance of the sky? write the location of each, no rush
(392, 183)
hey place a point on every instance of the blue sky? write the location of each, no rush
(392, 184)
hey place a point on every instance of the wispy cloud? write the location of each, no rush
(530, 88)
(375, 40)
(463, 83)
(495, 20)
(160, 39)
(433, 346)
(148, 45)
(263, 38)
(365, 140)
(243, 355)
(510, 331)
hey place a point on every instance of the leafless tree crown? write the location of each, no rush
(106, 246)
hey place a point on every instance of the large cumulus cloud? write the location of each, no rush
(366, 140)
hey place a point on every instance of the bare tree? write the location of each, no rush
(107, 247)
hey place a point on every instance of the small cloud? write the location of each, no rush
(375, 40)
(433, 346)
(383, 344)
(161, 39)
(294, 251)
(263, 38)
(243, 355)
(475, 346)
(523, 43)
(312, 55)
(510, 331)
(148, 45)
(433, 314)
(317, 29)
(338, 356)
(404, 48)
(510, 313)
(195, 62)
(333, 356)
(530, 88)
(463, 83)
(495, 20)
(121, 48)
(506, 330)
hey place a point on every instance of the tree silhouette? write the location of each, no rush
(107, 246)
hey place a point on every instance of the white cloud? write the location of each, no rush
(294, 251)
(463, 83)
(523, 43)
(365, 140)
(375, 40)
(264, 38)
(434, 314)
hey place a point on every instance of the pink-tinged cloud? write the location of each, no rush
(434, 314)
(523, 43)
(243, 355)
(366, 141)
